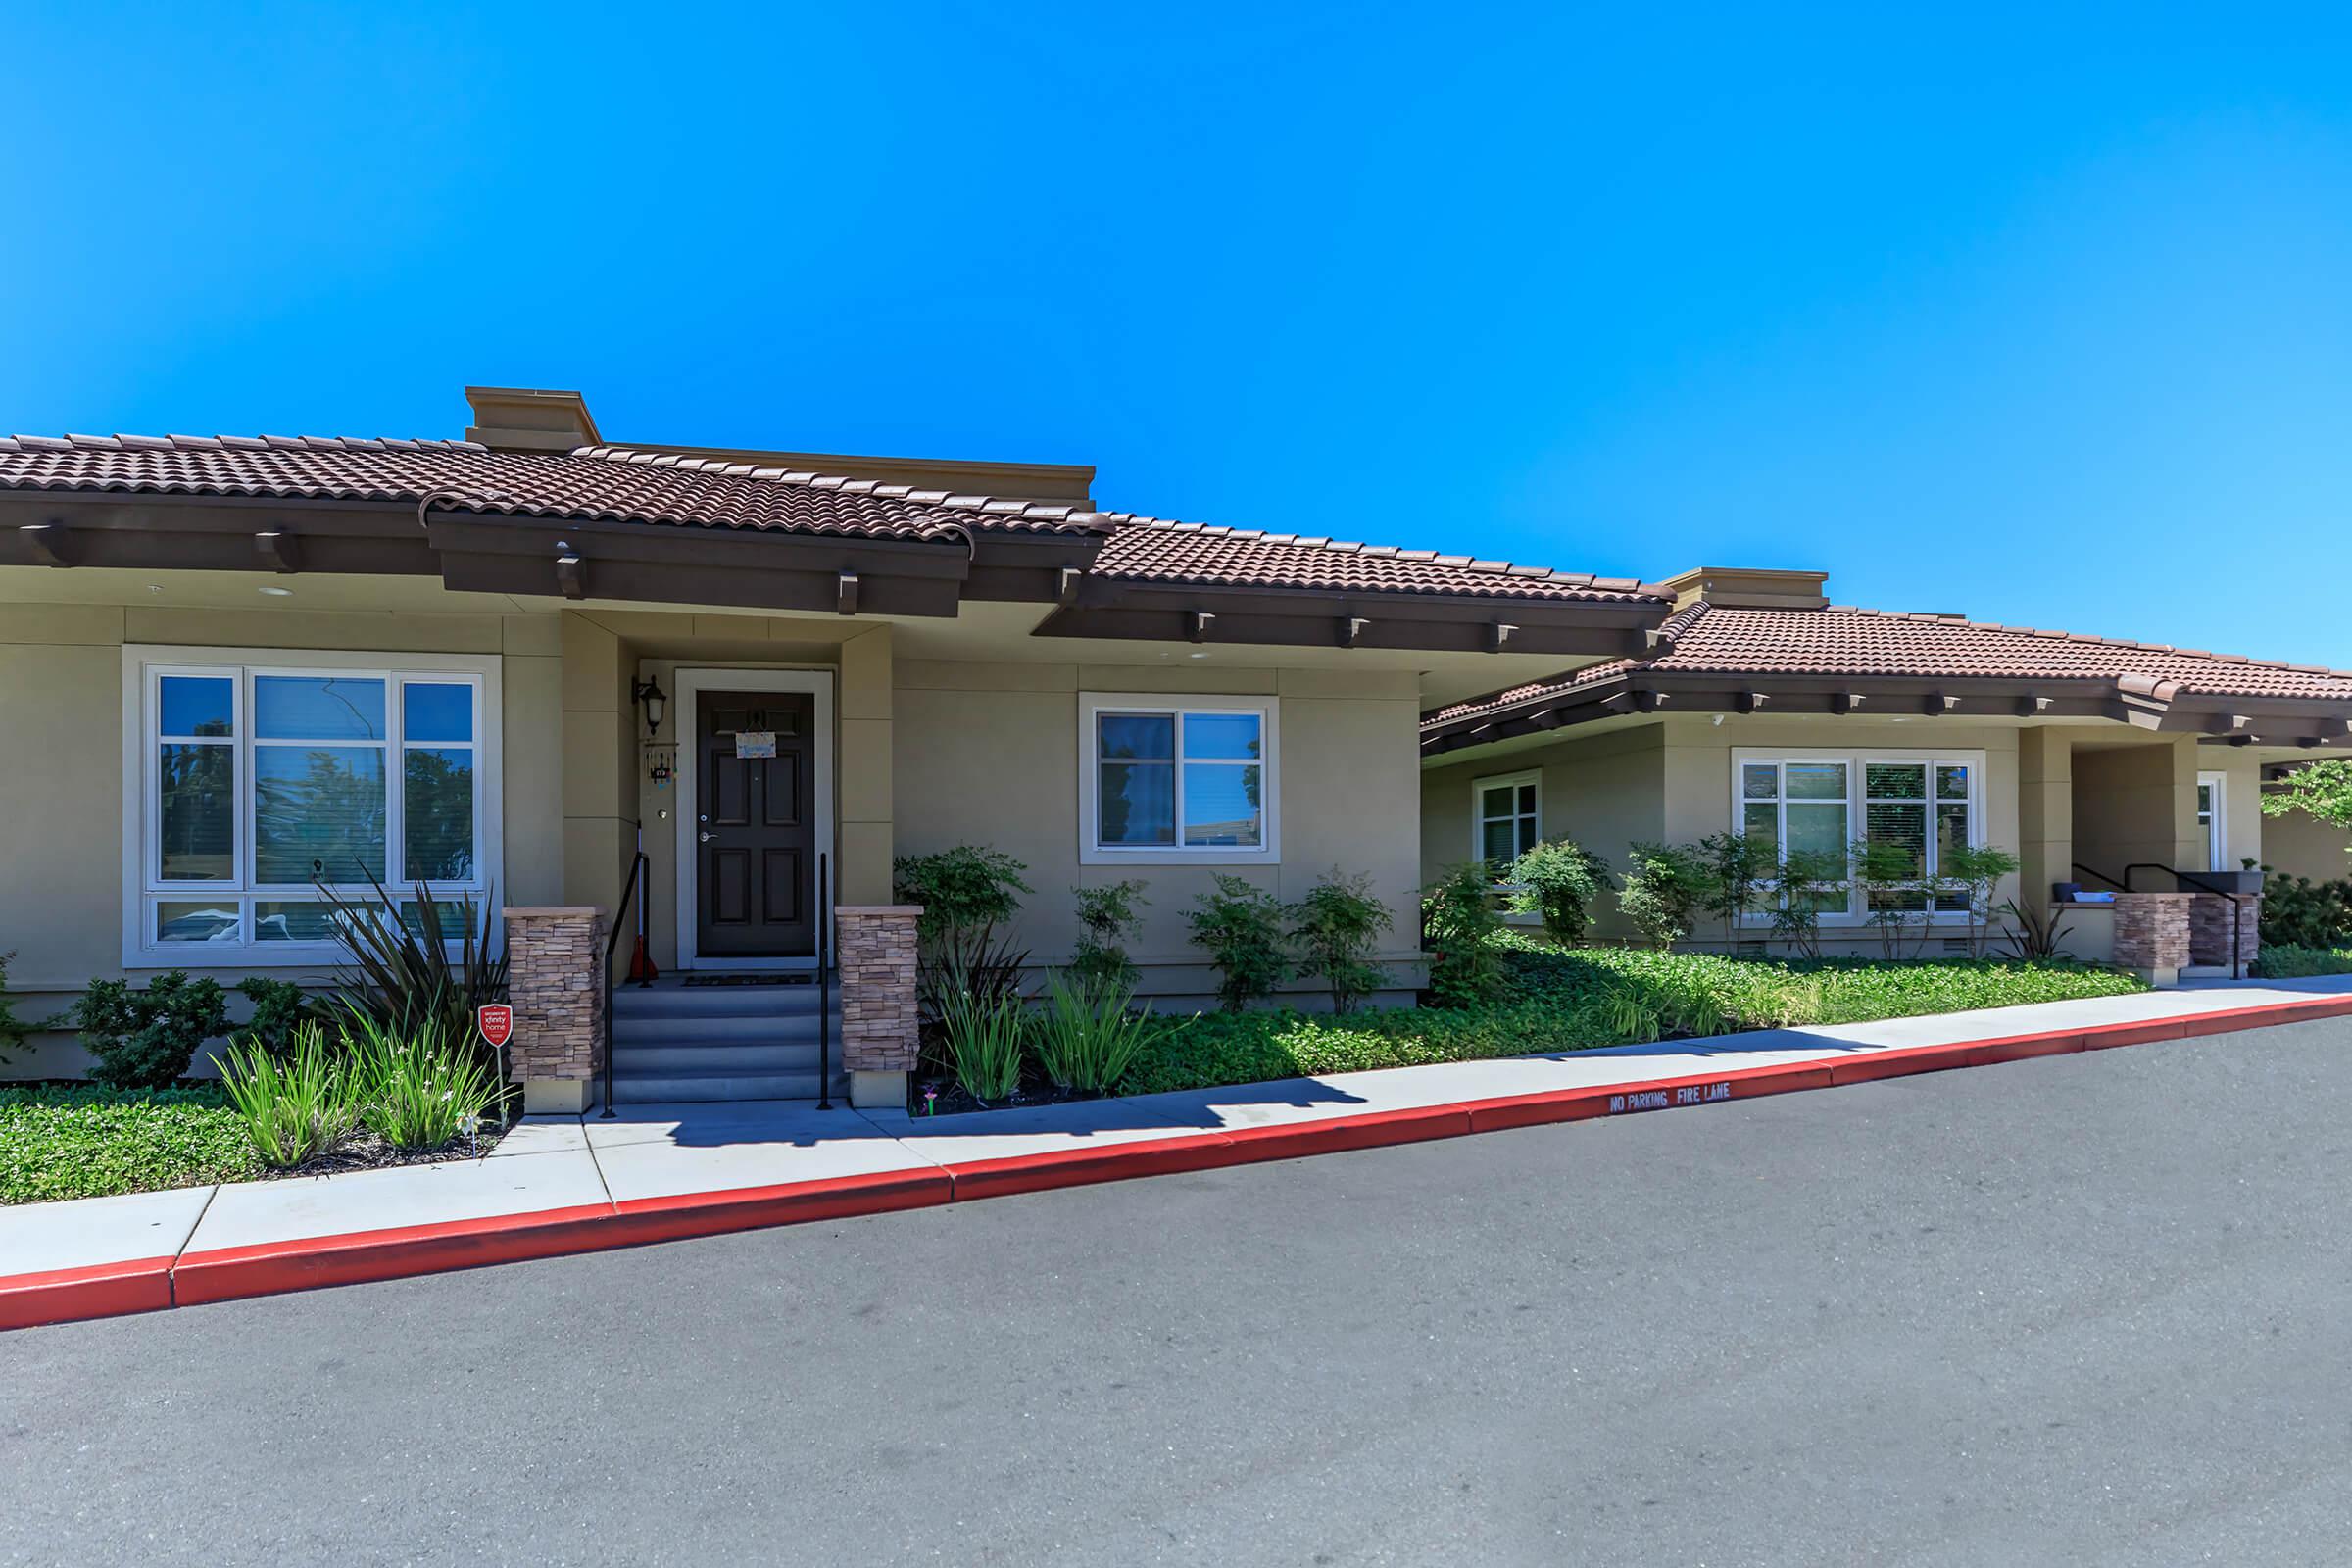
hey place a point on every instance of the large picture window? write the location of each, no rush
(1922, 803)
(253, 783)
(1181, 778)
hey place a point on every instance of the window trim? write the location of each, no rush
(1857, 763)
(1266, 709)
(144, 668)
(2217, 829)
(1478, 811)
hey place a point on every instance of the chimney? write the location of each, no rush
(1749, 588)
(521, 418)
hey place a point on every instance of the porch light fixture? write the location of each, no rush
(655, 701)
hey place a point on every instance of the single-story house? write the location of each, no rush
(1762, 707)
(236, 666)
(715, 692)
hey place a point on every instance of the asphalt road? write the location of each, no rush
(2092, 1309)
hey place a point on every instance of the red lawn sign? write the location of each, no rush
(497, 1023)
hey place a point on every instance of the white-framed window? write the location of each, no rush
(251, 777)
(2213, 818)
(1925, 802)
(1506, 815)
(1177, 779)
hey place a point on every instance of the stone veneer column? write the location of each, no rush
(2209, 917)
(874, 947)
(555, 983)
(2151, 935)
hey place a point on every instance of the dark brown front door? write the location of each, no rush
(756, 825)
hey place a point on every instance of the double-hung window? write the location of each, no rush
(1177, 778)
(254, 781)
(1506, 816)
(1924, 805)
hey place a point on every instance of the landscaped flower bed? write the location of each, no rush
(1577, 999)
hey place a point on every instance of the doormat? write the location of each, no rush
(794, 979)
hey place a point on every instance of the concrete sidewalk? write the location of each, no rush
(657, 1172)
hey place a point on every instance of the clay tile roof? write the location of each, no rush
(627, 485)
(1842, 640)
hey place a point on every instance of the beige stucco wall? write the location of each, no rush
(2299, 844)
(2137, 804)
(61, 789)
(987, 754)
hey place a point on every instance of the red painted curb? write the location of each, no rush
(638, 1220)
(143, 1285)
(271, 1268)
(1084, 1167)
(95, 1290)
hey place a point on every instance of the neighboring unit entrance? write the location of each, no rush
(755, 824)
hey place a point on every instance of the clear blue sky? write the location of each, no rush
(2045, 320)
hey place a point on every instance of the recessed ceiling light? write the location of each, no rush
(275, 592)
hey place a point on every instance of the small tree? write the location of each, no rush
(146, 1038)
(2323, 788)
(1107, 921)
(1558, 880)
(1458, 926)
(1734, 866)
(1239, 925)
(1662, 886)
(1803, 882)
(1890, 875)
(1974, 871)
(968, 888)
(1336, 928)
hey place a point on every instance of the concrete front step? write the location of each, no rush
(666, 1057)
(743, 1030)
(714, 1001)
(644, 1089)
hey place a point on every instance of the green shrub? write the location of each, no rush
(1107, 922)
(295, 1106)
(146, 1038)
(1459, 928)
(88, 1141)
(2298, 962)
(1088, 1034)
(984, 1038)
(1575, 999)
(969, 887)
(1734, 864)
(2298, 913)
(416, 1091)
(1802, 884)
(279, 1006)
(1889, 874)
(1660, 889)
(1240, 927)
(1558, 880)
(1974, 870)
(12, 1029)
(1338, 927)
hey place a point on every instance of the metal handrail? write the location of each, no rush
(612, 944)
(824, 984)
(2119, 887)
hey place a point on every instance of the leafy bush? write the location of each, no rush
(88, 1141)
(2297, 964)
(1974, 870)
(1240, 927)
(404, 978)
(984, 1038)
(1558, 880)
(146, 1038)
(1797, 889)
(969, 887)
(278, 1006)
(1661, 888)
(416, 1092)
(1107, 921)
(1088, 1034)
(1459, 929)
(12, 1029)
(1338, 926)
(2298, 913)
(1577, 999)
(1733, 865)
(2324, 788)
(292, 1106)
(1889, 875)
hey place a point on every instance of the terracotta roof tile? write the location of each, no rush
(1842, 640)
(631, 485)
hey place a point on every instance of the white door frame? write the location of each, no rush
(691, 684)
(2216, 830)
